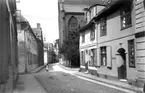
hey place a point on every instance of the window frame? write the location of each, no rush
(72, 24)
(83, 38)
(93, 57)
(92, 12)
(103, 23)
(132, 65)
(103, 55)
(92, 34)
(126, 15)
(88, 16)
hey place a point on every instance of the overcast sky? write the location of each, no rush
(44, 12)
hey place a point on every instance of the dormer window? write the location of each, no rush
(88, 16)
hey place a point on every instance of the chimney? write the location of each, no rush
(38, 25)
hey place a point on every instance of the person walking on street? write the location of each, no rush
(47, 68)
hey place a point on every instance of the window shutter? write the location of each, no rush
(109, 57)
(81, 60)
(98, 55)
(95, 57)
(84, 58)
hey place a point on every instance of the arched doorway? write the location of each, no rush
(122, 62)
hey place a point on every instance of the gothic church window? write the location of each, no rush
(72, 24)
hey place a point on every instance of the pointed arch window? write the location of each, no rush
(72, 24)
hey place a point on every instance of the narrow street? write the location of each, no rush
(59, 80)
(42, 42)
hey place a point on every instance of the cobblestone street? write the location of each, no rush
(58, 80)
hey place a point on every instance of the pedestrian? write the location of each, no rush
(46, 68)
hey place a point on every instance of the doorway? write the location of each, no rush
(122, 69)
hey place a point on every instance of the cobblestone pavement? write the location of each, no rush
(55, 81)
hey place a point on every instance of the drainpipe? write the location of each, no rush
(11, 69)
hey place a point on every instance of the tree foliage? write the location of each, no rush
(70, 48)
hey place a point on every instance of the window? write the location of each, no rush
(92, 34)
(103, 27)
(88, 16)
(93, 56)
(103, 56)
(82, 58)
(92, 12)
(125, 17)
(83, 38)
(131, 53)
(72, 24)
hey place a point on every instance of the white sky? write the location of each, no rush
(44, 12)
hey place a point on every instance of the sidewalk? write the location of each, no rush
(115, 83)
(28, 84)
(111, 82)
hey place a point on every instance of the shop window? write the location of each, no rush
(103, 56)
(93, 56)
(131, 53)
(103, 27)
(125, 14)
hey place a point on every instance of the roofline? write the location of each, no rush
(74, 13)
(29, 27)
(100, 14)
(31, 31)
(117, 4)
(87, 26)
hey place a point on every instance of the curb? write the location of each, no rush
(71, 69)
(41, 83)
(128, 88)
(40, 69)
(37, 70)
(132, 89)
